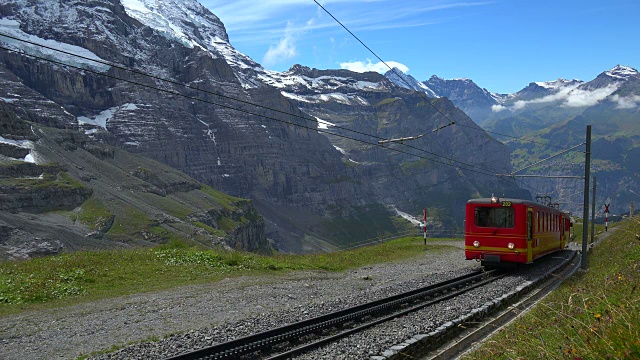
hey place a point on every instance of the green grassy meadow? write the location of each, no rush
(90, 275)
(593, 315)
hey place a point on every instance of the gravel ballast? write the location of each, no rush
(202, 315)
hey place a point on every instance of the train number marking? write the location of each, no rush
(506, 203)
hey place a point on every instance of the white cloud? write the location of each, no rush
(380, 67)
(284, 50)
(497, 108)
(579, 98)
(258, 22)
(570, 97)
(626, 102)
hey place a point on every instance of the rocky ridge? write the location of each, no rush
(70, 192)
(227, 122)
(557, 112)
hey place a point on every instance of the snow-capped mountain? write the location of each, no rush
(218, 141)
(622, 72)
(223, 119)
(559, 111)
(574, 95)
(409, 82)
(466, 94)
(558, 84)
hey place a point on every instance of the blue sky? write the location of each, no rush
(502, 45)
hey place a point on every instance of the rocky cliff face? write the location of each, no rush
(476, 102)
(445, 172)
(241, 149)
(104, 197)
(198, 114)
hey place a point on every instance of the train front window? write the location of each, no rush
(498, 217)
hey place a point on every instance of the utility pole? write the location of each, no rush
(585, 212)
(593, 211)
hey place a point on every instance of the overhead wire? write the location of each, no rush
(420, 93)
(469, 167)
(411, 87)
(465, 166)
(515, 138)
(133, 71)
(401, 77)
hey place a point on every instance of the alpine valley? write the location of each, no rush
(545, 117)
(126, 123)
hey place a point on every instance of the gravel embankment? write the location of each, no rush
(204, 314)
(201, 315)
(376, 342)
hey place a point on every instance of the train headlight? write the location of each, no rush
(511, 246)
(476, 243)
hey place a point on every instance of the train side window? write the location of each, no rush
(546, 221)
(538, 221)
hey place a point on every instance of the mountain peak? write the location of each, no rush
(409, 82)
(186, 21)
(558, 84)
(622, 72)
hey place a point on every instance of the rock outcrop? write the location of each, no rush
(177, 92)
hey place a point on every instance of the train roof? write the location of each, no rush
(487, 201)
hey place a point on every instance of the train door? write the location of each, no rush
(529, 234)
(563, 235)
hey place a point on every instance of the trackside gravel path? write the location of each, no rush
(214, 312)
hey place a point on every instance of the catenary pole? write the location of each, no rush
(585, 212)
(593, 211)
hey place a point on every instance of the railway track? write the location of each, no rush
(293, 339)
(478, 331)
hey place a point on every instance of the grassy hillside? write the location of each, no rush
(594, 315)
(89, 275)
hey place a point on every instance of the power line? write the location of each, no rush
(469, 167)
(246, 111)
(411, 87)
(402, 77)
(518, 138)
(108, 63)
(379, 58)
(230, 98)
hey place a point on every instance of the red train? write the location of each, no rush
(503, 231)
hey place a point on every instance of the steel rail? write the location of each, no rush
(307, 347)
(479, 332)
(265, 340)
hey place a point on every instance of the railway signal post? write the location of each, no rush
(424, 211)
(606, 217)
